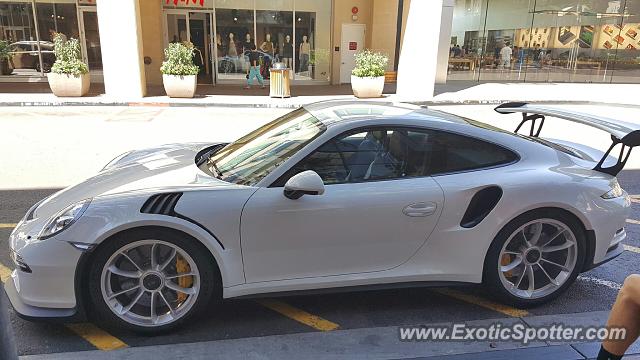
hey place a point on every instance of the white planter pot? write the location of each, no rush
(65, 85)
(180, 86)
(367, 87)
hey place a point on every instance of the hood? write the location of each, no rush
(168, 166)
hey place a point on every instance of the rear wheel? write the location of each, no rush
(150, 282)
(535, 257)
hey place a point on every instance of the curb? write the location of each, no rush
(289, 105)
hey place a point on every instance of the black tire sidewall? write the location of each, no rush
(100, 312)
(491, 269)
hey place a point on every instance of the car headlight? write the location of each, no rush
(63, 219)
(616, 190)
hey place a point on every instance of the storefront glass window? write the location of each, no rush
(545, 40)
(274, 31)
(313, 39)
(18, 28)
(55, 17)
(295, 32)
(234, 33)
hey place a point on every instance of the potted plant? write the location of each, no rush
(179, 73)
(69, 76)
(367, 79)
(5, 55)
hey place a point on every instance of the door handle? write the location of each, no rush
(420, 209)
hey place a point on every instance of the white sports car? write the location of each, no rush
(332, 195)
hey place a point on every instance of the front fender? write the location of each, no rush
(103, 220)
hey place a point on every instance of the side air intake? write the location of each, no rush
(481, 205)
(161, 204)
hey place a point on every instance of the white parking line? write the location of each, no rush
(635, 222)
(632, 249)
(610, 284)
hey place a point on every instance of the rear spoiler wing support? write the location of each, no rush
(613, 170)
(622, 133)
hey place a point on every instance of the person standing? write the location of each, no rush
(505, 56)
(254, 68)
(537, 61)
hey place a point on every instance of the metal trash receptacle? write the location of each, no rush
(280, 84)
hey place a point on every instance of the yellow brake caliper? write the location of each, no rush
(182, 266)
(506, 260)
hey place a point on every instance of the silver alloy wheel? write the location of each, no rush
(150, 283)
(537, 258)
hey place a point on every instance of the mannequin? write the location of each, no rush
(246, 46)
(305, 52)
(222, 47)
(287, 51)
(233, 50)
(267, 45)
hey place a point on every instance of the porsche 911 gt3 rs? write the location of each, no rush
(333, 195)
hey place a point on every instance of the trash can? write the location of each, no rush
(280, 84)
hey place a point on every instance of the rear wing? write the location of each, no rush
(624, 133)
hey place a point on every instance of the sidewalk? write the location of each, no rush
(454, 92)
(380, 343)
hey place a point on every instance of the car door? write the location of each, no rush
(378, 209)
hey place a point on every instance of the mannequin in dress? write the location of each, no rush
(233, 50)
(287, 51)
(304, 54)
(267, 45)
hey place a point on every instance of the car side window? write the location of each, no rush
(367, 155)
(394, 153)
(452, 153)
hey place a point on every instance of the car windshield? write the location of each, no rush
(252, 157)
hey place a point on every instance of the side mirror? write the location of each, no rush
(305, 183)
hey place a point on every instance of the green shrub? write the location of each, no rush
(68, 58)
(5, 50)
(179, 60)
(370, 64)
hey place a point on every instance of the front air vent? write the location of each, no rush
(161, 204)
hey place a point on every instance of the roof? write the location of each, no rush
(334, 111)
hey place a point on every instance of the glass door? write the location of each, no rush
(195, 27)
(200, 36)
(235, 35)
(90, 38)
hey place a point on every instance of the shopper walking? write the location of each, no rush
(254, 68)
(505, 56)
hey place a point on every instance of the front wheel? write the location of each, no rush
(150, 282)
(535, 257)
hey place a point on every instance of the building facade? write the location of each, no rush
(305, 34)
(550, 41)
(427, 41)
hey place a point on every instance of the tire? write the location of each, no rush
(103, 283)
(46, 67)
(497, 278)
(226, 67)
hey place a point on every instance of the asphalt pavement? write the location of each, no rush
(256, 325)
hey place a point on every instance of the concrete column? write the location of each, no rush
(419, 55)
(446, 24)
(121, 42)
